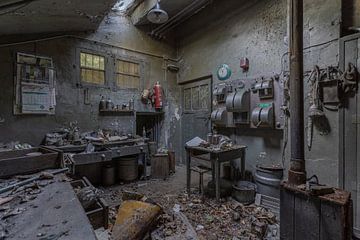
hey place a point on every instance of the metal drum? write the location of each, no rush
(108, 175)
(268, 180)
(127, 169)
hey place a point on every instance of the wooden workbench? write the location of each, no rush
(56, 213)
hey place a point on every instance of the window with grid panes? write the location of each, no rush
(127, 74)
(92, 68)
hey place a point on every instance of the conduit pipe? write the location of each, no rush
(297, 174)
(188, 11)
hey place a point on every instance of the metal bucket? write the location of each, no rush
(127, 169)
(244, 192)
(268, 179)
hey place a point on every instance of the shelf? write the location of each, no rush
(149, 113)
(116, 112)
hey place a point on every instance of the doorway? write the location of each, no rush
(196, 110)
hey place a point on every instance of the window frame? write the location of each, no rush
(141, 64)
(81, 83)
(190, 87)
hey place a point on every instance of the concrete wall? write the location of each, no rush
(116, 37)
(223, 33)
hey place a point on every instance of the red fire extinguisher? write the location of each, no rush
(158, 101)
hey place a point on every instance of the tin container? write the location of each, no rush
(216, 139)
(209, 138)
(131, 104)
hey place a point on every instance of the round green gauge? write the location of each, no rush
(224, 72)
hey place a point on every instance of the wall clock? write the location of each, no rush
(224, 72)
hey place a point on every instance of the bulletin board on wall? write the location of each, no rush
(35, 85)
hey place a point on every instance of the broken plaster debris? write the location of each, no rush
(203, 220)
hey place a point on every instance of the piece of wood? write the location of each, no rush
(5, 200)
(160, 166)
(172, 161)
(16, 162)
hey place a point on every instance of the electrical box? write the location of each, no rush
(249, 103)
(263, 116)
(264, 88)
(220, 93)
(221, 117)
(244, 64)
(238, 102)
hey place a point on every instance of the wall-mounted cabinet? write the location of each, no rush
(34, 85)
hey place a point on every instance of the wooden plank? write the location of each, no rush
(17, 163)
(332, 222)
(307, 218)
(160, 166)
(287, 215)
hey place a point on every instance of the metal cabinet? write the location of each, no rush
(349, 129)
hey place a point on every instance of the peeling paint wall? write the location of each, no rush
(258, 31)
(116, 37)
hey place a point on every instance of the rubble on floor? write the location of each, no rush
(187, 217)
(172, 215)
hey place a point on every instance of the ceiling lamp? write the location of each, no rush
(157, 15)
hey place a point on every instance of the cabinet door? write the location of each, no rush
(350, 131)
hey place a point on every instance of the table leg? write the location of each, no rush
(144, 157)
(213, 170)
(217, 180)
(243, 164)
(188, 171)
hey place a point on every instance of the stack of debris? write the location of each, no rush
(14, 146)
(191, 218)
(71, 136)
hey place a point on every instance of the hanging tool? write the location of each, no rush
(315, 109)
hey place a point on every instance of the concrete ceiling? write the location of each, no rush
(42, 16)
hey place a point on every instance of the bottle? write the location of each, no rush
(102, 104)
(109, 104)
(131, 104)
(144, 132)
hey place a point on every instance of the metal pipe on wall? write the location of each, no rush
(297, 174)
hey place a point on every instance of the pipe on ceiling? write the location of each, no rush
(180, 17)
(297, 174)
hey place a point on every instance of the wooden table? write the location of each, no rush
(216, 158)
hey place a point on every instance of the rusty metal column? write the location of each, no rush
(297, 174)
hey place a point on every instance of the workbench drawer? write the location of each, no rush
(91, 158)
(27, 161)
